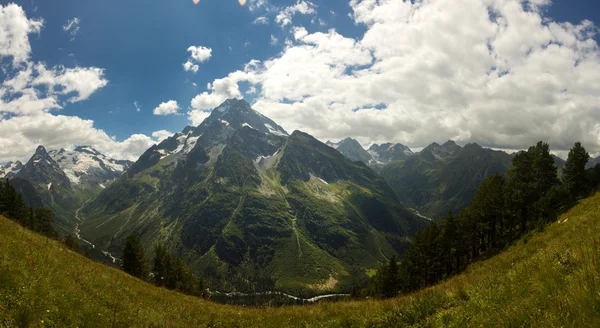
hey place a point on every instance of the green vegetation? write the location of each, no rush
(501, 211)
(443, 177)
(306, 220)
(13, 205)
(548, 279)
(134, 260)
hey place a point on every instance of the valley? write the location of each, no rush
(253, 209)
(63, 288)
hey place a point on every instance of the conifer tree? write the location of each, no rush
(134, 260)
(162, 265)
(390, 278)
(575, 177)
(43, 218)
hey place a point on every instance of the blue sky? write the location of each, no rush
(142, 45)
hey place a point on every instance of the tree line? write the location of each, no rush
(167, 271)
(503, 210)
(13, 206)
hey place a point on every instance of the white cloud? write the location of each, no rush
(19, 136)
(196, 116)
(161, 135)
(261, 20)
(20, 93)
(14, 30)
(225, 88)
(30, 91)
(189, 66)
(137, 106)
(72, 27)
(167, 108)
(495, 72)
(198, 54)
(274, 40)
(254, 5)
(303, 7)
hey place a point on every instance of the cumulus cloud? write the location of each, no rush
(137, 106)
(198, 54)
(161, 135)
(196, 116)
(303, 7)
(19, 136)
(15, 28)
(167, 108)
(189, 66)
(225, 88)
(496, 72)
(30, 92)
(20, 94)
(72, 27)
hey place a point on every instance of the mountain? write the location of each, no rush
(251, 207)
(63, 180)
(376, 157)
(352, 149)
(443, 177)
(10, 169)
(87, 168)
(69, 290)
(389, 152)
(50, 184)
(593, 162)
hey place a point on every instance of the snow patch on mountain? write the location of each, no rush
(190, 143)
(261, 158)
(10, 169)
(86, 161)
(274, 131)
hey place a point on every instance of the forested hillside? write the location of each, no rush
(548, 279)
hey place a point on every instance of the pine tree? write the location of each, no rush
(43, 220)
(575, 177)
(390, 278)
(134, 260)
(162, 265)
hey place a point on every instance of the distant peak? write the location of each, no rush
(449, 143)
(86, 149)
(232, 103)
(41, 150)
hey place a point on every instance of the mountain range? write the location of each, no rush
(251, 207)
(62, 180)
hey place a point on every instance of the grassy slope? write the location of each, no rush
(553, 279)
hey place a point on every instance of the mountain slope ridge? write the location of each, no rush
(255, 208)
(507, 289)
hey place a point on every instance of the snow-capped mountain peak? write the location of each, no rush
(388, 152)
(87, 167)
(237, 113)
(10, 169)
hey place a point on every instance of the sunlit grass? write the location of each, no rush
(549, 280)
